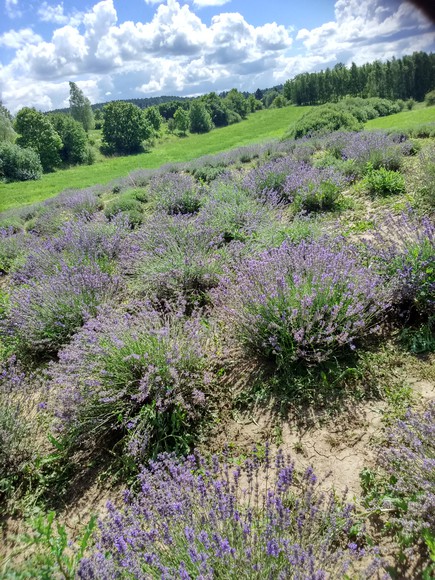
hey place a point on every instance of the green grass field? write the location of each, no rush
(261, 126)
(404, 120)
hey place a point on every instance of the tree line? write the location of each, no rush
(410, 77)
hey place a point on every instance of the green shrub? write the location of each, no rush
(323, 119)
(426, 190)
(18, 163)
(384, 182)
(129, 206)
(50, 552)
(429, 98)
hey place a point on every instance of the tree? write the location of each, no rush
(182, 120)
(18, 164)
(154, 118)
(125, 127)
(279, 102)
(200, 120)
(37, 133)
(7, 132)
(217, 109)
(237, 103)
(80, 107)
(254, 104)
(74, 139)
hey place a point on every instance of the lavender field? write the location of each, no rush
(174, 343)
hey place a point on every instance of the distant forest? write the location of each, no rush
(410, 77)
(142, 103)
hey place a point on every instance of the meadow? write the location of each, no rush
(228, 362)
(404, 120)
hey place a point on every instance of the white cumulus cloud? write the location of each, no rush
(19, 38)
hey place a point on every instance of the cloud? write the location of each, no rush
(205, 3)
(56, 14)
(12, 10)
(369, 29)
(176, 52)
(18, 38)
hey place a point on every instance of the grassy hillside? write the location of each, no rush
(267, 124)
(404, 120)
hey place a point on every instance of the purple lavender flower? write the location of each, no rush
(409, 459)
(302, 301)
(132, 375)
(183, 524)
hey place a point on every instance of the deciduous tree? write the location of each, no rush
(80, 107)
(125, 127)
(37, 133)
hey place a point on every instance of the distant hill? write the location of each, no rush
(141, 103)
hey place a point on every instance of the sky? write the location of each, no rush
(115, 49)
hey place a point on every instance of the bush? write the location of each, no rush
(18, 163)
(233, 214)
(426, 188)
(313, 189)
(301, 302)
(15, 427)
(133, 380)
(323, 119)
(45, 313)
(429, 98)
(405, 251)
(408, 458)
(176, 193)
(194, 519)
(173, 255)
(373, 149)
(78, 243)
(128, 207)
(267, 182)
(13, 249)
(384, 182)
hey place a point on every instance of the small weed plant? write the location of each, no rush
(380, 182)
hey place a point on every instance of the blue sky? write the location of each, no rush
(137, 48)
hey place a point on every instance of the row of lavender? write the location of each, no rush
(123, 317)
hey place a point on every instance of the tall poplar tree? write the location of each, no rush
(80, 107)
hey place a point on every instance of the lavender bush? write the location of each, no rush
(176, 193)
(195, 519)
(44, 314)
(173, 255)
(267, 182)
(375, 147)
(404, 248)
(15, 427)
(302, 301)
(95, 242)
(135, 377)
(289, 180)
(409, 459)
(233, 214)
(81, 203)
(13, 249)
(426, 189)
(313, 188)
